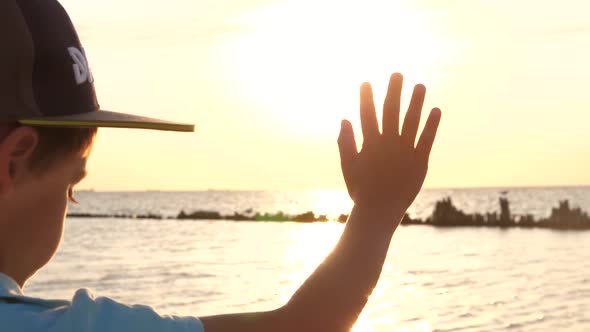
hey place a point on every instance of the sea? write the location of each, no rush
(434, 279)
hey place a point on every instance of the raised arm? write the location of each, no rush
(383, 179)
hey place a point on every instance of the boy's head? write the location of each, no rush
(38, 169)
(48, 119)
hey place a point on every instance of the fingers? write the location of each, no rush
(347, 148)
(427, 138)
(412, 119)
(368, 117)
(391, 106)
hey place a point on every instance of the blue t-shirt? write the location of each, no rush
(83, 313)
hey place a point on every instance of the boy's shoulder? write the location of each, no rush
(84, 313)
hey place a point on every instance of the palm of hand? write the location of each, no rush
(390, 169)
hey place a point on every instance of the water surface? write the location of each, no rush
(458, 279)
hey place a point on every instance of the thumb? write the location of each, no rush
(347, 148)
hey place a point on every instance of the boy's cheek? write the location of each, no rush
(47, 241)
(50, 210)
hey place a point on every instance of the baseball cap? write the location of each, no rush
(62, 83)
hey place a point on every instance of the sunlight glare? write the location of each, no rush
(331, 203)
(303, 61)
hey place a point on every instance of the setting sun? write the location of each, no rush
(303, 67)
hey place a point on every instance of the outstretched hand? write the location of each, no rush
(386, 174)
(390, 169)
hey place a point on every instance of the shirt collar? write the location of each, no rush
(9, 287)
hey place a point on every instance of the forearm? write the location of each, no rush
(335, 294)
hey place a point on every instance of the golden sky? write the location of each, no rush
(267, 82)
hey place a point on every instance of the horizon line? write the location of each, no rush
(334, 189)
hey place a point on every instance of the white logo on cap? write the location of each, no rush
(81, 70)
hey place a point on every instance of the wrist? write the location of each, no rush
(382, 218)
(387, 210)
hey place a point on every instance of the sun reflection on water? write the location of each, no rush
(395, 303)
(308, 245)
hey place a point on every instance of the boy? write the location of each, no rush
(44, 145)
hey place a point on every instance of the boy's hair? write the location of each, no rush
(55, 143)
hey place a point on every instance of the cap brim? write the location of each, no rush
(107, 119)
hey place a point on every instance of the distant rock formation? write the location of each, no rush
(564, 217)
(445, 214)
(208, 215)
(505, 218)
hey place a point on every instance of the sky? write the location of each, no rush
(267, 82)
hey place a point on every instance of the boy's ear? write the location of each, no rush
(15, 151)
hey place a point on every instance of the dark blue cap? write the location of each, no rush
(63, 85)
